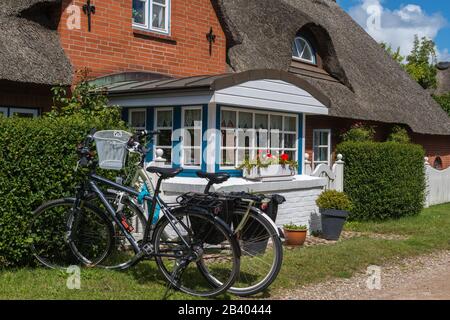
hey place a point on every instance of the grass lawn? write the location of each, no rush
(426, 232)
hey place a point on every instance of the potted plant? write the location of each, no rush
(334, 208)
(295, 234)
(268, 167)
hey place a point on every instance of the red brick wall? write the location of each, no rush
(338, 126)
(113, 47)
(434, 145)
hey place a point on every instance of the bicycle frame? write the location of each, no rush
(146, 249)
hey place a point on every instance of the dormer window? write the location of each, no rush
(153, 15)
(302, 50)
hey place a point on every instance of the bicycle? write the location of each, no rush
(176, 241)
(259, 237)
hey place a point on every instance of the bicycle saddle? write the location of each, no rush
(165, 173)
(215, 178)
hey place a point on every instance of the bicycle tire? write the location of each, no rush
(251, 252)
(195, 276)
(53, 235)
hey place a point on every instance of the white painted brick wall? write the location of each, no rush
(300, 207)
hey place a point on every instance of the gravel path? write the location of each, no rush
(425, 277)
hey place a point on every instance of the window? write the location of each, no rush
(137, 119)
(163, 123)
(152, 14)
(303, 51)
(437, 164)
(23, 113)
(246, 133)
(321, 146)
(3, 112)
(192, 137)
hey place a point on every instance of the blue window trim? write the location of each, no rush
(238, 173)
(176, 125)
(300, 143)
(233, 173)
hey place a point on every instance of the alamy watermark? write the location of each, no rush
(74, 279)
(73, 21)
(373, 281)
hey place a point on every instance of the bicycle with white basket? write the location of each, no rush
(75, 230)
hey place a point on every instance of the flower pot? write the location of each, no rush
(273, 172)
(295, 237)
(332, 223)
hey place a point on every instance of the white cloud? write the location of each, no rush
(398, 27)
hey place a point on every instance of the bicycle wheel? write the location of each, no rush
(262, 253)
(49, 232)
(90, 236)
(181, 263)
(122, 253)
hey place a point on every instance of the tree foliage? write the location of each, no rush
(420, 63)
(444, 101)
(86, 100)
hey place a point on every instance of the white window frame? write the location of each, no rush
(149, 14)
(183, 147)
(156, 128)
(34, 112)
(314, 58)
(146, 17)
(316, 163)
(253, 147)
(130, 112)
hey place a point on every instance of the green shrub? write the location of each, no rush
(37, 164)
(383, 180)
(400, 135)
(332, 199)
(359, 133)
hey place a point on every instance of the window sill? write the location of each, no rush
(153, 36)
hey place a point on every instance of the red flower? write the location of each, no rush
(284, 157)
(269, 155)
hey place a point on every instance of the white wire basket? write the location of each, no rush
(112, 148)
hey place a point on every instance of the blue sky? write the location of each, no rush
(397, 21)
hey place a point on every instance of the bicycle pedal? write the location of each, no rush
(147, 248)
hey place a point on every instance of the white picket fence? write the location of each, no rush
(438, 185)
(335, 174)
(437, 181)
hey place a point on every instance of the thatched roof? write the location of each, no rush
(30, 51)
(371, 85)
(443, 78)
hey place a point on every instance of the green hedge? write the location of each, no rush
(36, 164)
(383, 180)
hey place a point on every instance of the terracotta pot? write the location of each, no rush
(295, 237)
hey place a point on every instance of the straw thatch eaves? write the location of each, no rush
(30, 51)
(371, 85)
(443, 78)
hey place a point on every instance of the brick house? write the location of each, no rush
(304, 70)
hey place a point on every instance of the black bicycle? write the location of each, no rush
(179, 241)
(258, 236)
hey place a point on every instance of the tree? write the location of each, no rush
(86, 100)
(421, 62)
(394, 54)
(444, 101)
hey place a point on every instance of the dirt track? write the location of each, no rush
(425, 277)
